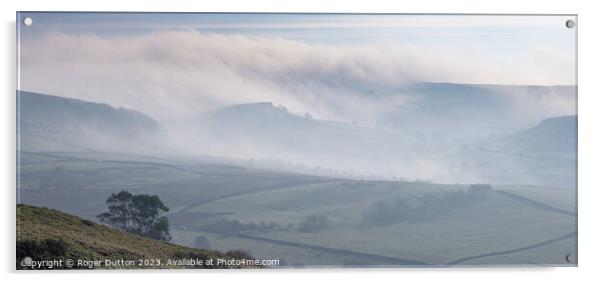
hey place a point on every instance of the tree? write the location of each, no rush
(314, 223)
(384, 212)
(138, 214)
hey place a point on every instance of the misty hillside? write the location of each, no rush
(544, 154)
(441, 115)
(263, 130)
(266, 122)
(234, 205)
(80, 123)
(552, 137)
(442, 121)
(87, 240)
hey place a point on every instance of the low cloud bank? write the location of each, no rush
(175, 75)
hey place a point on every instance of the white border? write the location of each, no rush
(590, 79)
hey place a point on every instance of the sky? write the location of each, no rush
(184, 64)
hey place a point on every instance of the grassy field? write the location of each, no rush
(493, 224)
(531, 225)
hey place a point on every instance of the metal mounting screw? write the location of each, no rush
(570, 23)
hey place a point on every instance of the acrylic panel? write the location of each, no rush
(274, 140)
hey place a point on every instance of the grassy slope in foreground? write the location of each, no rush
(90, 241)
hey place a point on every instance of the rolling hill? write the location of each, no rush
(237, 204)
(52, 122)
(407, 145)
(551, 137)
(442, 115)
(544, 154)
(267, 131)
(71, 237)
(373, 223)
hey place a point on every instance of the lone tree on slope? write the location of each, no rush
(138, 214)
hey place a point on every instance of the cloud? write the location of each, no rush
(177, 75)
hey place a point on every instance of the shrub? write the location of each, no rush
(313, 223)
(48, 249)
(429, 206)
(88, 222)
